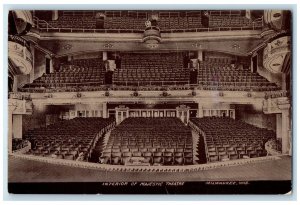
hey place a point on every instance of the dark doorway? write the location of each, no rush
(193, 113)
(193, 76)
(108, 77)
(47, 66)
(254, 61)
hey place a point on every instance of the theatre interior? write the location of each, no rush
(149, 95)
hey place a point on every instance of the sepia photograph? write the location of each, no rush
(149, 101)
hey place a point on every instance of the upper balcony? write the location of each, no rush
(134, 21)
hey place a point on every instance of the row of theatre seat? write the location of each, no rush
(19, 144)
(147, 68)
(124, 22)
(155, 70)
(232, 21)
(228, 139)
(81, 72)
(154, 141)
(69, 139)
(226, 76)
(164, 23)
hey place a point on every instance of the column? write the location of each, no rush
(200, 55)
(104, 108)
(200, 111)
(233, 112)
(285, 131)
(17, 126)
(278, 125)
(283, 85)
(10, 130)
(51, 65)
(251, 64)
(54, 15)
(117, 116)
(104, 55)
(31, 74)
(15, 85)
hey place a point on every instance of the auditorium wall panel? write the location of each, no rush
(91, 108)
(22, 79)
(39, 64)
(259, 119)
(88, 107)
(219, 106)
(36, 120)
(272, 77)
(88, 55)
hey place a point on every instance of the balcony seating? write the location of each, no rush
(219, 74)
(228, 139)
(81, 72)
(134, 21)
(153, 140)
(76, 22)
(232, 21)
(69, 139)
(151, 69)
(124, 22)
(164, 23)
(168, 23)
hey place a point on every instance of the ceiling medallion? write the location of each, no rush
(67, 47)
(107, 45)
(236, 46)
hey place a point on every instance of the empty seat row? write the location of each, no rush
(68, 139)
(143, 139)
(243, 140)
(217, 74)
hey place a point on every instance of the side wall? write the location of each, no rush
(272, 77)
(257, 119)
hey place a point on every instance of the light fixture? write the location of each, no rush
(151, 36)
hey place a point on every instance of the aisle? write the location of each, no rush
(99, 147)
(198, 149)
(195, 137)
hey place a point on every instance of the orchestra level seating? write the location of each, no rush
(149, 141)
(69, 139)
(229, 139)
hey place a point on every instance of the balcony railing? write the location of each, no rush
(150, 83)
